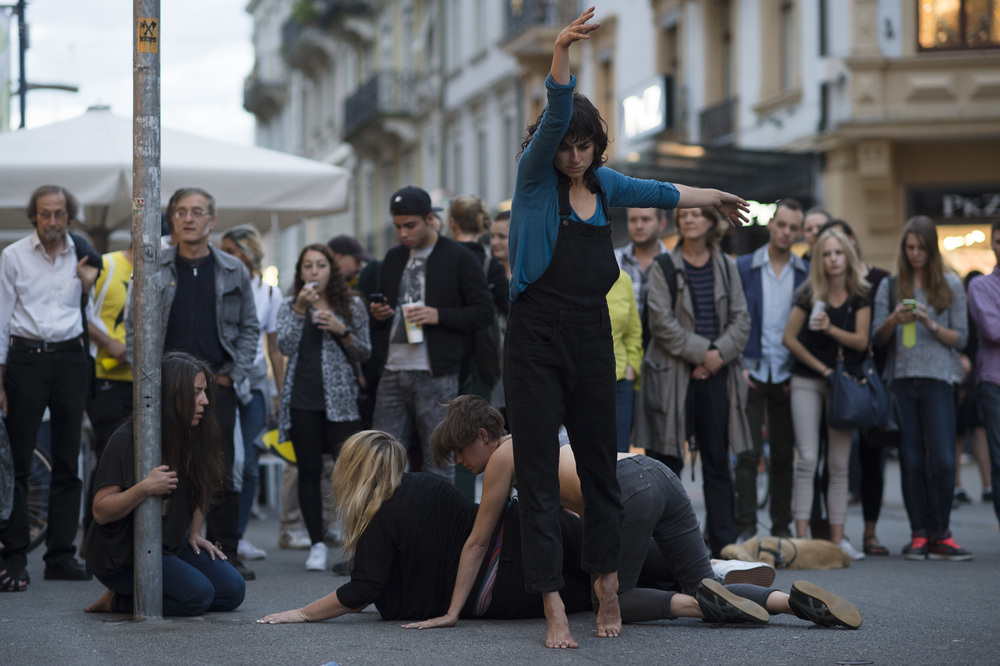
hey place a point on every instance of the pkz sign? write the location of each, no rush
(648, 109)
(955, 204)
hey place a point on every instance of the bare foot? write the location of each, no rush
(102, 605)
(556, 623)
(609, 614)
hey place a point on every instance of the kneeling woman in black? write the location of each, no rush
(196, 576)
(405, 532)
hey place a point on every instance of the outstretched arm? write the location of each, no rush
(322, 609)
(731, 207)
(578, 29)
(497, 480)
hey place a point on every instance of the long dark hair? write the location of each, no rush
(193, 452)
(935, 285)
(338, 293)
(585, 123)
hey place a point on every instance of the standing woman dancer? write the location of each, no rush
(924, 370)
(559, 363)
(323, 330)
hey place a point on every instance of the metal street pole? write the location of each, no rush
(146, 301)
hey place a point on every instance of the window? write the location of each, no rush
(787, 45)
(958, 24)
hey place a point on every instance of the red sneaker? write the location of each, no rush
(947, 549)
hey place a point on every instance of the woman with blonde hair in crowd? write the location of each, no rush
(323, 330)
(243, 242)
(924, 367)
(831, 316)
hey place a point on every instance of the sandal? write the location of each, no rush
(873, 547)
(13, 582)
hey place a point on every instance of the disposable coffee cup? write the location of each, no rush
(316, 315)
(414, 331)
(818, 307)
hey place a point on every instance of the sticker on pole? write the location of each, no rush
(148, 31)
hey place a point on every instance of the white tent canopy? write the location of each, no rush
(91, 156)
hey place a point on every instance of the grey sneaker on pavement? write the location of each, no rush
(814, 604)
(720, 605)
(737, 571)
(294, 540)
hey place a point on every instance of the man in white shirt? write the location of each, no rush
(44, 364)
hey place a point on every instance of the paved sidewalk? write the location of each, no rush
(914, 612)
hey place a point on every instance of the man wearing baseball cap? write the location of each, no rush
(349, 255)
(450, 301)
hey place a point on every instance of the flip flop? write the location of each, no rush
(873, 547)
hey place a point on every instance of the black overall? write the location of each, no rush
(559, 368)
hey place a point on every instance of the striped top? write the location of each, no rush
(706, 319)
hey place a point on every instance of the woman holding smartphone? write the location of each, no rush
(323, 330)
(839, 325)
(922, 317)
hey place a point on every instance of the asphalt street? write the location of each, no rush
(914, 613)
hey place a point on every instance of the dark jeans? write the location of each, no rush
(33, 381)
(989, 414)
(192, 585)
(772, 400)
(624, 399)
(708, 419)
(312, 436)
(872, 460)
(926, 452)
(222, 520)
(252, 417)
(107, 409)
(559, 368)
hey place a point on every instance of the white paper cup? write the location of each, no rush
(414, 332)
(817, 308)
(316, 315)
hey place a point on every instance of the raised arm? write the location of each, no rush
(497, 480)
(578, 29)
(731, 207)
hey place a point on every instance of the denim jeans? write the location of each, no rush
(624, 399)
(989, 413)
(251, 423)
(192, 585)
(926, 452)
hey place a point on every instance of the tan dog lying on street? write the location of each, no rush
(789, 553)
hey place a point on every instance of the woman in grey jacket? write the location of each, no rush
(323, 330)
(691, 369)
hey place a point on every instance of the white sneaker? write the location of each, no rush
(849, 550)
(737, 571)
(294, 540)
(247, 551)
(317, 557)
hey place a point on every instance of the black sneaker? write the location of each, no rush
(68, 569)
(342, 568)
(988, 495)
(916, 549)
(242, 570)
(720, 605)
(947, 549)
(814, 604)
(962, 497)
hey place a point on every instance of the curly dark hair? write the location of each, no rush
(585, 123)
(338, 293)
(194, 453)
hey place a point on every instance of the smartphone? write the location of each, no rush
(910, 303)
(378, 298)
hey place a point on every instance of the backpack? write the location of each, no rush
(669, 272)
(487, 353)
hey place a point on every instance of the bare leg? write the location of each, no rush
(556, 623)
(836, 533)
(102, 605)
(609, 614)
(684, 605)
(981, 452)
(802, 528)
(777, 602)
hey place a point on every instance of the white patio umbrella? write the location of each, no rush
(91, 156)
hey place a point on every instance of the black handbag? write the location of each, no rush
(857, 401)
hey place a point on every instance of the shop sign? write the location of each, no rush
(955, 204)
(648, 109)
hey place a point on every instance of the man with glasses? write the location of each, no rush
(44, 363)
(209, 312)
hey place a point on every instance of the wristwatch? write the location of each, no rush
(347, 331)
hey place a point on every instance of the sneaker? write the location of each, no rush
(332, 537)
(962, 497)
(294, 540)
(850, 550)
(342, 568)
(745, 535)
(947, 549)
(917, 549)
(720, 605)
(247, 551)
(736, 571)
(814, 604)
(242, 570)
(317, 557)
(988, 494)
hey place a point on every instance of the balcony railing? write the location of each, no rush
(386, 95)
(261, 97)
(523, 15)
(717, 124)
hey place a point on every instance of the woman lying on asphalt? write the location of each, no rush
(656, 507)
(196, 576)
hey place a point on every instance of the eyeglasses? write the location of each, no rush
(48, 215)
(196, 213)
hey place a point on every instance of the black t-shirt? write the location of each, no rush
(307, 388)
(109, 547)
(821, 345)
(192, 325)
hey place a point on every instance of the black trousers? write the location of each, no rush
(223, 518)
(708, 418)
(110, 405)
(33, 381)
